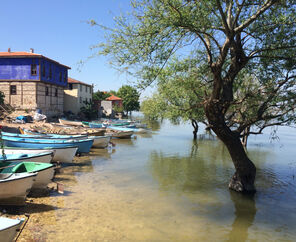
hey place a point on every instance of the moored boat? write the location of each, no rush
(35, 135)
(45, 172)
(42, 157)
(100, 141)
(95, 125)
(119, 133)
(83, 145)
(68, 122)
(14, 187)
(61, 154)
(135, 130)
(9, 228)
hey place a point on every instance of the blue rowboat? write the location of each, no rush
(135, 130)
(83, 145)
(44, 136)
(95, 125)
(42, 157)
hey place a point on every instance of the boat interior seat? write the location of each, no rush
(14, 168)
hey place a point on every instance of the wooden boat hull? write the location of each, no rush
(14, 189)
(83, 145)
(63, 154)
(68, 122)
(9, 228)
(100, 141)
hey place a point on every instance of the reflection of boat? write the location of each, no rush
(45, 172)
(43, 157)
(15, 187)
(100, 141)
(9, 228)
(62, 154)
(68, 122)
(83, 145)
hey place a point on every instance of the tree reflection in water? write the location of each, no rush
(245, 211)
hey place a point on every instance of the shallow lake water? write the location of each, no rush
(166, 187)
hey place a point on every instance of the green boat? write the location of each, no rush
(45, 171)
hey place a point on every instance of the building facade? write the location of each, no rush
(76, 95)
(116, 101)
(31, 81)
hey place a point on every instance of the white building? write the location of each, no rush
(76, 94)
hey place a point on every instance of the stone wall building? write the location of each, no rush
(31, 81)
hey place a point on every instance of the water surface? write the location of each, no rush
(166, 187)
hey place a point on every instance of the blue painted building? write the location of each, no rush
(31, 81)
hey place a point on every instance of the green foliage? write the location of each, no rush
(239, 54)
(2, 96)
(118, 109)
(130, 98)
(99, 96)
(177, 97)
(89, 111)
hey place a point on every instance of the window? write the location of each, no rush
(60, 77)
(46, 91)
(85, 88)
(81, 88)
(13, 90)
(70, 86)
(80, 99)
(43, 69)
(65, 78)
(90, 90)
(56, 92)
(50, 72)
(33, 69)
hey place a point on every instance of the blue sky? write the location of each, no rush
(58, 30)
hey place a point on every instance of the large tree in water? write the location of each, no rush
(244, 48)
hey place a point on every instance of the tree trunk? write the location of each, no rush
(195, 128)
(244, 176)
(245, 137)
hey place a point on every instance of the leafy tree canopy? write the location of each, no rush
(130, 98)
(99, 96)
(244, 50)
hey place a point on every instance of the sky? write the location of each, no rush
(58, 29)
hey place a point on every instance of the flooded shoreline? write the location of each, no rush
(165, 187)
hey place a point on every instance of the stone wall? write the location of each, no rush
(25, 97)
(50, 104)
(32, 96)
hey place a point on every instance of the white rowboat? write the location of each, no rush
(9, 228)
(15, 187)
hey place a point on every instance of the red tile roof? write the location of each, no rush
(26, 55)
(113, 98)
(71, 80)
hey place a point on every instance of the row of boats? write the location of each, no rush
(27, 158)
